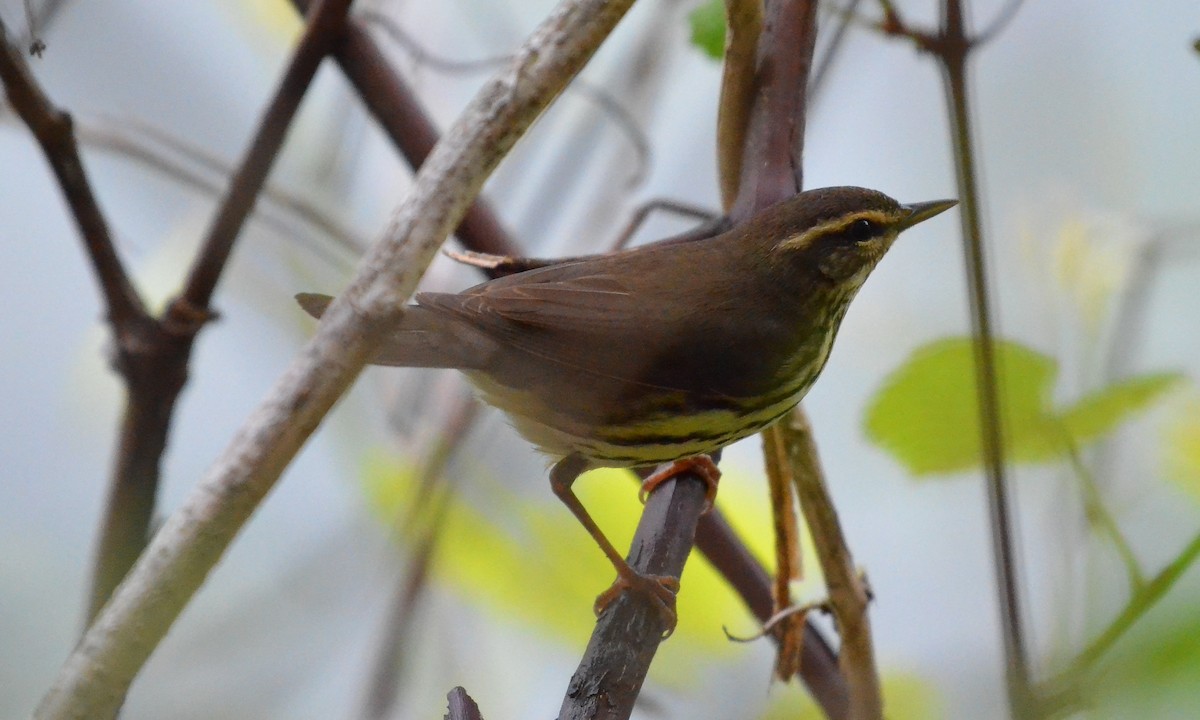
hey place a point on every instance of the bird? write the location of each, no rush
(663, 353)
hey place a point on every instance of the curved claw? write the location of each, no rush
(660, 588)
(702, 465)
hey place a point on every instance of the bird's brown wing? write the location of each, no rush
(566, 304)
(629, 318)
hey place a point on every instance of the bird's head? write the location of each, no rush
(841, 233)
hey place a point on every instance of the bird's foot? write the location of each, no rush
(662, 589)
(702, 465)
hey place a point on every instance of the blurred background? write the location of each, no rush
(1086, 118)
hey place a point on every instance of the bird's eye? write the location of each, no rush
(862, 230)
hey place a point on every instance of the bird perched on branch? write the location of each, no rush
(660, 354)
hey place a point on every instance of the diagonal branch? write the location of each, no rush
(54, 132)
(849, 596)
(97, 675)
(153, 357)
(395, 107)
(628, 634)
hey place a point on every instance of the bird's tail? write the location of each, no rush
(421, 339)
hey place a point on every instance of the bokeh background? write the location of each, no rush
(1086, 134)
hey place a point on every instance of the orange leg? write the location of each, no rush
(702, 465)
(661, 588)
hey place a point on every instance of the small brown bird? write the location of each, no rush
(662, 353)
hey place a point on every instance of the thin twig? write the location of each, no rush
(98, 673)
(54, 132)
(134, 140)
(848, 594)
(1099, 515)
(821, 74)
(397, 110)
(999, 23)
(953, 50)
(323, 29)
(707, 217)
(787, 553)
(604, 100)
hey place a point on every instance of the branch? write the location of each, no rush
(322, 30)
(398, 111)
(848, 594)
(154, 360)
(953, 47)
(618, 656)
(54, 132)
(461, 706)
(773, 150)
(98, 673)
(818, 662)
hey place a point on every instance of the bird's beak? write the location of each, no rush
(920, 212)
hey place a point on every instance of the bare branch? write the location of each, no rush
(155, 364)
(54, 132)
(319, 36)
(772, 167)
(952, 46)
(396, 108)
(743, 25)
(848, 594)
(618, 656)
(461, 706)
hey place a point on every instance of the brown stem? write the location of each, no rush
(787, 551)
(628, 634)
(461, 706)
(397, 110)
(324, 25)
(53, 129)
(772, 154)
(155, 361)
(954, 50)
(952, 47)
(848, 595)
(143, 428)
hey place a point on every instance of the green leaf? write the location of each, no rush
(926, 414)
(1099, 413)
(1152, 672)
(708, 28)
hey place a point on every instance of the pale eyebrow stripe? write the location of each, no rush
(831, 226)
